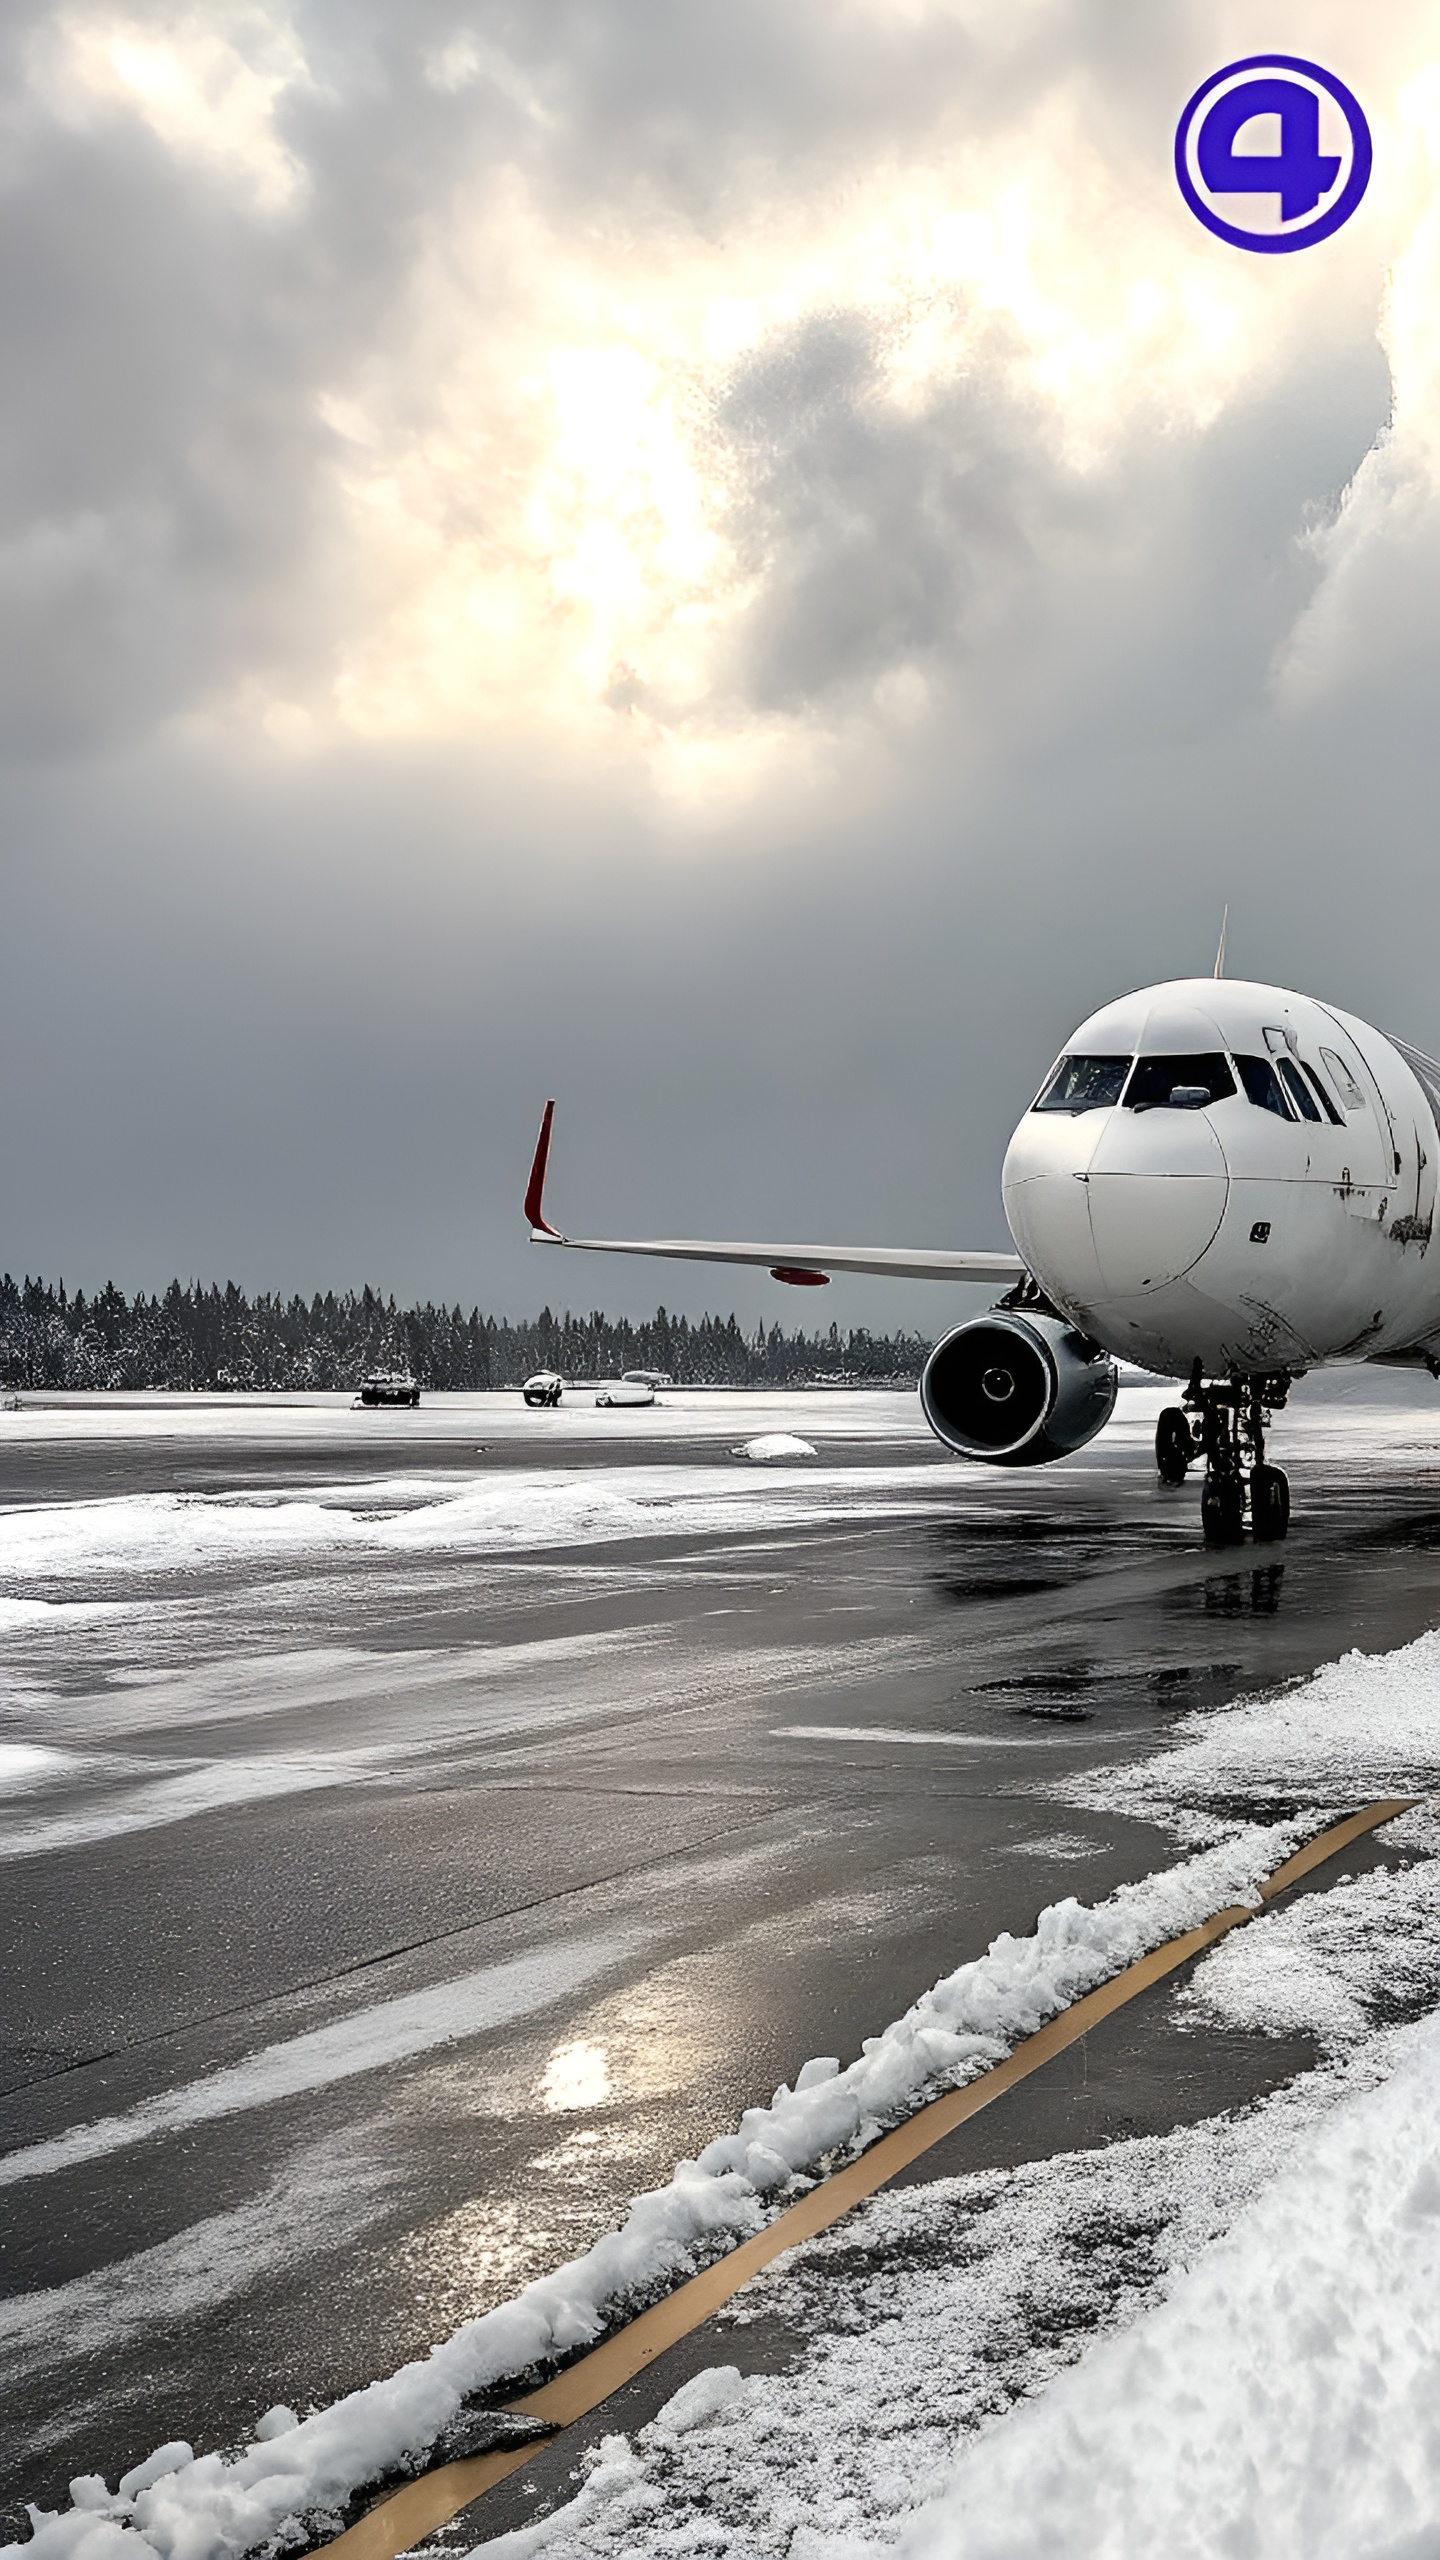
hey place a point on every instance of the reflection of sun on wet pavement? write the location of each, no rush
(577, 2075)
(479, 2255)
(578, 2155)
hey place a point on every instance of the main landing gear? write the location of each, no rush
(1224, 1421)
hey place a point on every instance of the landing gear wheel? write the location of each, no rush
(1174, 1446)
(1269, 1503)
(1222, 1510)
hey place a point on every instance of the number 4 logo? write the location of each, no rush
(1304, 160)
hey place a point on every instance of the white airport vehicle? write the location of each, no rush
(1225, 1183)
(630, 1389)
(545, 1388)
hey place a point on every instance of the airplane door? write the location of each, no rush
(1360, 1157)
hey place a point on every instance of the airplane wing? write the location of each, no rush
(803, 1266)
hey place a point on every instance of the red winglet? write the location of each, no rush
(535, 1187)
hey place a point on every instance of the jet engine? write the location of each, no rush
(1017, 1390)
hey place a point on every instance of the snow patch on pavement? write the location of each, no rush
(1365, 1726)
(327, 2199)
(773, 1445)
(1336, 1965)
(496, 1512)
(1055, 1845)
(21, 1617)
(24, 1765)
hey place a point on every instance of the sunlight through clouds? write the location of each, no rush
(725, 460)
(566, 522)
(206, 82)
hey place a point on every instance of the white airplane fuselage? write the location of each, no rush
(1278, 1215)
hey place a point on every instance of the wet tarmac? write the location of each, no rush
(580, 1831)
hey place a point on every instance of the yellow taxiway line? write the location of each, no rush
(405, 2517)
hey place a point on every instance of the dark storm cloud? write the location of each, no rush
(873, 536)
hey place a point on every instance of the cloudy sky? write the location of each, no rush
(741, 562)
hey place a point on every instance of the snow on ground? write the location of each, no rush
(1225, 2340)
(969, 2020)
(1273, 2272)
(1282, 2399)
(459, 1701)
(1351, 1720)
(329, 2194)
(1218, 2341)
(317, 1421)
(1366, 1726)
(504, 1512)
(1336, 1965)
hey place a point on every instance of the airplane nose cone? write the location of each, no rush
(1157, 1184)
(1046, 1202)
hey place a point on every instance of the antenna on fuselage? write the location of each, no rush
(1220, 954)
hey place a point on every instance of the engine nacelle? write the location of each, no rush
(1017, 1390)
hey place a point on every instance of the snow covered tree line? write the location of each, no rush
(219, 1338)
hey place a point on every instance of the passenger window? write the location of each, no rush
(1084, 1084)
(1199, 1080)
(1326, 1104)
(1297, 1088)
(1263, 1086)
(1345, 1084)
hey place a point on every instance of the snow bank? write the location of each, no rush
(772, 1445)
(283, 2484)
(1282, 2400)
(973, 2017)
(217, 2507)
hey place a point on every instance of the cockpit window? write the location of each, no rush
(1263, 1086)
(1298, 1090)
(1182, 1084)
(1345, 1084)
(1337, 1118)
(1084, 1084)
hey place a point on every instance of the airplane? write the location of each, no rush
(1219, 1181)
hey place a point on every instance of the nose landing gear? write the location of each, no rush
(1225, 1420)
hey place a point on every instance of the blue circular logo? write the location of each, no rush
(1273, 154)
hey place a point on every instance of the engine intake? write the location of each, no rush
(1017, 1390)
